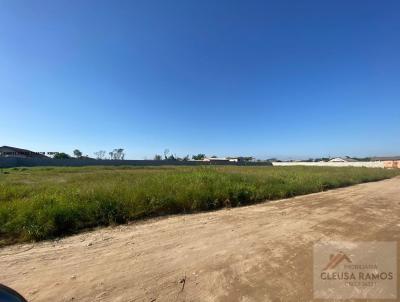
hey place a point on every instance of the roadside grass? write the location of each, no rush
(43, 203)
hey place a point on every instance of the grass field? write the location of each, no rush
(41, 203)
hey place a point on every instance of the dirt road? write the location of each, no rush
(256, 253)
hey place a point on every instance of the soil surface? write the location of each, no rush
(261, 252)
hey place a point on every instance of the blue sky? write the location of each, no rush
(260, 78)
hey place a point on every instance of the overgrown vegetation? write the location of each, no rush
(41, 203)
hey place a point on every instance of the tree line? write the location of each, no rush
(169, 156)
(119, 154)
(116, 154)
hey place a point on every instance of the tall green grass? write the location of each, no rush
(41, 203)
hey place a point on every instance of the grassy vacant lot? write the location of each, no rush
(40, 203)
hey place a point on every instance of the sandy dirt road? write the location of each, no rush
(255, 253)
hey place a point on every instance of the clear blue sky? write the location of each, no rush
(261, 78)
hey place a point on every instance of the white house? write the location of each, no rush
(342, 160)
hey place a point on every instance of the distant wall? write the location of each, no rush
(368, 164)
(9, 162)
(392, 164)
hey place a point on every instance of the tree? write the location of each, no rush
(157, 157)
(61, 155)
(186, 158)
(199, 156)
(117, 154)
(77, 153)
(100, 154)
(166, 152)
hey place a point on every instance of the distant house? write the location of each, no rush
(7, 151)
(390, 162)
(342, 160)
(387, 158)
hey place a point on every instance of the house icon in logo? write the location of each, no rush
(335, 260)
